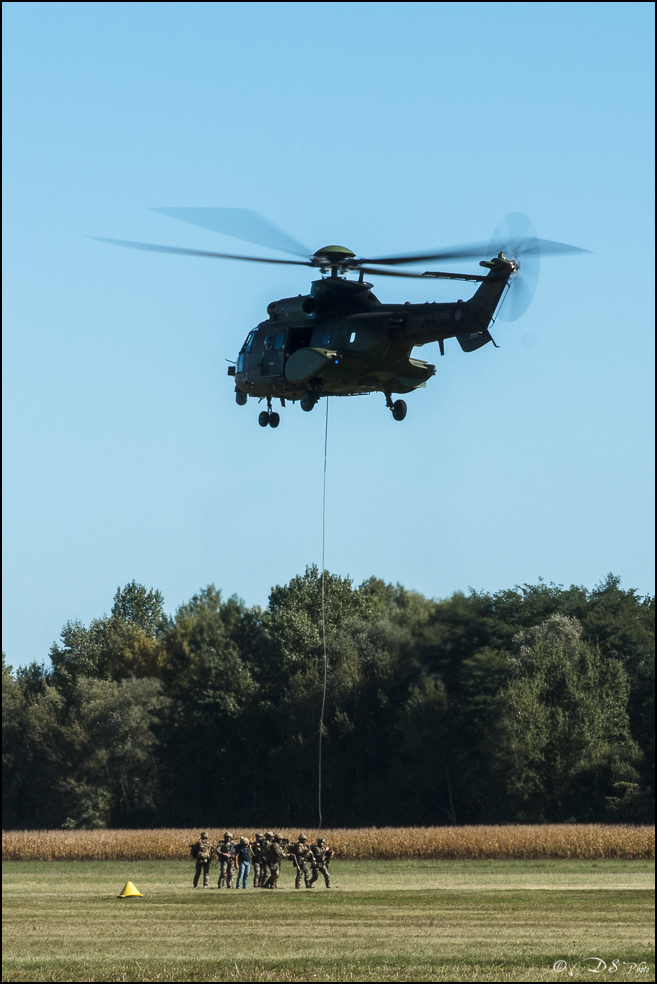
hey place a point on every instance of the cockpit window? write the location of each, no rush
(280, 338)
(249, 342)
(326, 337)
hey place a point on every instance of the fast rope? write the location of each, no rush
(321, 717)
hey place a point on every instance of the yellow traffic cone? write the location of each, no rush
(129, 890)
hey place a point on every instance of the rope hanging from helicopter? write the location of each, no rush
(321, 717)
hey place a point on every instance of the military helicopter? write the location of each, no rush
(340, 339)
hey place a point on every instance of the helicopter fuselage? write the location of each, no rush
(340, 340)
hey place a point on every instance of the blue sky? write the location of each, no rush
(384, 127)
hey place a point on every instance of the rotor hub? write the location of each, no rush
(337, 259)
(334, 253)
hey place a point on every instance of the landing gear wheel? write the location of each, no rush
(274, 419)
(263, 418)
(308, 401)
(399, 410)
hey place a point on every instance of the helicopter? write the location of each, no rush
(339, 339)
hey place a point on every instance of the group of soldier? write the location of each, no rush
(265, 855)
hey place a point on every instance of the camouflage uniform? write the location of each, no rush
(275, 854)
(226, 852)
(320, 855)
(201, 851)
(258, 859)
(264, 864)
(301, 854)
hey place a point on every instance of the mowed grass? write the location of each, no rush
(381, 921)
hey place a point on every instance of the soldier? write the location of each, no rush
(300, 854)
(264, 865)
(275, 854)
(321, 856)
(201, 851)
(226, 851)
(258, 860)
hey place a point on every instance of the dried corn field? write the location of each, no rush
(385, 843)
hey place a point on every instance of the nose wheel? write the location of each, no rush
(308, 400)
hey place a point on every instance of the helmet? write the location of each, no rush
(269, 834)
(302, 837)
(204, 835)
(320, 840)
(278, 838)
(244, 840)
(227, 835)
(258, 837)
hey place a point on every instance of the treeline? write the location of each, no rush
(529, 705)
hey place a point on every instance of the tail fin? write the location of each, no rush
(484, 301)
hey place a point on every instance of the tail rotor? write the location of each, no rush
(516, 238)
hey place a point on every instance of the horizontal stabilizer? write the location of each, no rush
(472, 340)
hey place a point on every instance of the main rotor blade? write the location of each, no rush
(483, 250)
(153, 248)
(240, 223)
(426, 275)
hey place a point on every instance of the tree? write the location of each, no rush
(138, 607)
(109, 737)
(211, 686)
(564, 711)
(128, 642)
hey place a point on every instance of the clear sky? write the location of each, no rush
(383, 127)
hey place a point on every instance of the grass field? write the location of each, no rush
(420, 920)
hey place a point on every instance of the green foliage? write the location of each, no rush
(127, 643)
(532, 703)
(563, 712)
(141, 608)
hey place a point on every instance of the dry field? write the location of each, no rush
(585, 841)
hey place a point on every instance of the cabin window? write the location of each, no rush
(280, 338)
(352, 337)
(269, 342)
